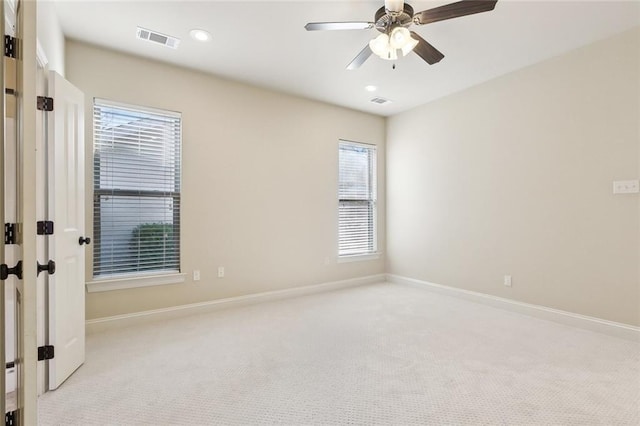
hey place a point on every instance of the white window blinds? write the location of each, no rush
(136, 202)
(357, 199)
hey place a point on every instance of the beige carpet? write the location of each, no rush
(379, 354)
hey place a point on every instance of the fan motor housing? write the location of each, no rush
(384, 20)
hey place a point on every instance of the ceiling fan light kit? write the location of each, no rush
(387, 46)
(393, 21)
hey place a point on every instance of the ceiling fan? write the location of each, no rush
(393, 21)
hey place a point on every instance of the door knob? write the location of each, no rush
(84, 240)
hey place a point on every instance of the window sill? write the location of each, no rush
(358, 257)
(110, 284)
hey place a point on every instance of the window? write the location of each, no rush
(136, 183)
(357, 199)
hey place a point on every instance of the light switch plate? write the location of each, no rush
(626, 187)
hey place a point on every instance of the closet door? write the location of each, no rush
(67, 244)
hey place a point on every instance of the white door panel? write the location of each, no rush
(66, 207)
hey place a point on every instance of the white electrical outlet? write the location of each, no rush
(220, 271)
(626, 187)
(196, 275)
(507, 280)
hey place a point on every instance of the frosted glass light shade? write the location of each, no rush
(382, 48)
(399, 37)
(380, 45)
(408, 47)
(394, 5)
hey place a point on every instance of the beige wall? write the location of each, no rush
(515, 177)
(50, 36)
(259, 179)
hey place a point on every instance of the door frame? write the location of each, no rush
(27, 348)
(30, 133)
(3, 385)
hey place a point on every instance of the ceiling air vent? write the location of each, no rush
(380, 101)
(158, 38)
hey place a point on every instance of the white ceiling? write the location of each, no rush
(264, 43)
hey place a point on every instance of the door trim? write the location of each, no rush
(27, 352)
(3, 385)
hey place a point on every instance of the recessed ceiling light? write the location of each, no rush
(371, 88)
(200, 35)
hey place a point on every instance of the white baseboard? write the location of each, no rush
(118, 321)
(611, 328)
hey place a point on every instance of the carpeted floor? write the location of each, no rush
(378, 354)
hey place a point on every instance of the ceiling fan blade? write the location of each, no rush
(360, 59)
(426, 51)
(322, 26)
(454, 10)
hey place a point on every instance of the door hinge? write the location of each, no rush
(9, 46)
(49, 267)
(10, 419)
(45, 103)
(46, 352)
(10, 234)
(44, 227)
(5, 271)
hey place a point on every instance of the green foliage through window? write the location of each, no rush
(151, 244)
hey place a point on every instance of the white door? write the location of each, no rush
(66, 209)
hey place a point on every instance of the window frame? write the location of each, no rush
(373, 201)
(135, 279)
